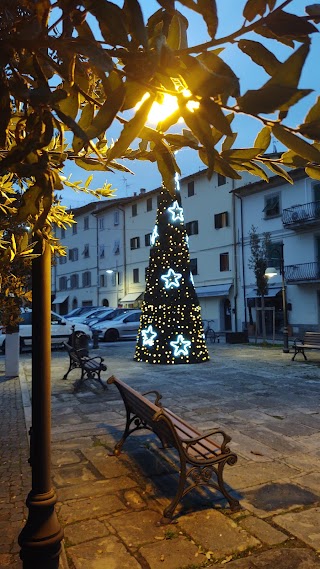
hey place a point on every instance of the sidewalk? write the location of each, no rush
(109, 507)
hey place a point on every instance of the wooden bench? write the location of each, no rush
(91, 368)
(202, 459)
(310, 341)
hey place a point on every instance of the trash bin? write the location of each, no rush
(95, 339)
(237, 337)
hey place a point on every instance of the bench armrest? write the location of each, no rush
(194, 440)
(298, 341)
(94, 359)
(157, 394)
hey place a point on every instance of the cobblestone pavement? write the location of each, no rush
(110, 507)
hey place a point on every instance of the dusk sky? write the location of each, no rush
(251, 77)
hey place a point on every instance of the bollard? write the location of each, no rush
(95, 339)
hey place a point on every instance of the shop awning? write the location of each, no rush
(60, 298)
(131, 297)
(251, 291)
(213, 290)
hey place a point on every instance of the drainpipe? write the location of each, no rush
(242, 255)
(235, 264)
(124, 250)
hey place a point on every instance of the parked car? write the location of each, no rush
(123, 326)
(80, 311)
(107, 314)
(85, 315)
(61, 330)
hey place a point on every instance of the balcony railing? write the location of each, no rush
(301, 214)
(306, 272)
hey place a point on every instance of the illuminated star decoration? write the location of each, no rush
(154, 235)
(148, 336)
(171, 279)
(187, 240)
(180, 346)
(176, 212)
(191, 278)
(176, 179)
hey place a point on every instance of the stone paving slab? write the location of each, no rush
(283, 558)
(101, 554)
(305, 525)
(172, 554)
(244, 476)
(263, 531)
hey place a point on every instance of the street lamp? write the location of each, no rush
(116, 273)
(272, 272)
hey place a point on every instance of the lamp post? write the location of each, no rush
(271, 272)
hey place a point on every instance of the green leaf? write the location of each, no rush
(314, 112)
(314, 11)
(250, 167)
(208, 9)
(107, 113)
(229, 141)
(220, 165)
(177, 34)
(289, 72)
(179, 141)
(131, 129)
(92, 50)
(292, 159)
(295, 143)
(84, 123)
(213, 113)
(266, 100)
(254, 8)
(135, 22)
(222, 73)
(313, 172)
(276, 169)
(111, 21)
(134, 92)
(263, 139)
(91, 164)
(70, 105)
(311, 130)
(202, 81)
(241, 153)
(260, 55)
(283, 23)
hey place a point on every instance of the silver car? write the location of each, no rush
(124, 326)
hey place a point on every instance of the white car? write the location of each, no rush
(61, 330)
(123, 326)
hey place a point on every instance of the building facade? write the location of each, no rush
(108, 253)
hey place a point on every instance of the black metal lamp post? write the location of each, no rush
(270, 272)
(41, 537)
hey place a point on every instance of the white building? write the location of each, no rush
(291, 214)
(108, 253)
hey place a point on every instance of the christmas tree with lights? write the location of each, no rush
(171, 330)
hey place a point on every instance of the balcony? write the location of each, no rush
(301, 215)
(304, 273)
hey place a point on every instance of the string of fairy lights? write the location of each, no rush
(170, 326)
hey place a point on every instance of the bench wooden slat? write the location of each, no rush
(201, 458)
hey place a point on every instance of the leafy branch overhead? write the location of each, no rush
(71, 70)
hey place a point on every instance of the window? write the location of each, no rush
(74, 281)
(132, 317)
(190, 189)
(103, 280)
(134, 210)
(73, 254)
(135, 243)
(116, 247)
(194, 266)
(135, 275)
(74, 229)
(101, 223)
(147, 239)
(274, 254)
(149, 204)
(86, 222)
(86, 278)
(221, 180)
(221, 220)
(271, 206)
(63, 283)
(192, 228)
(63, 232)
(86, 251)
(224, 262)
(116, 217)
(101, 251)
(62, 260)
